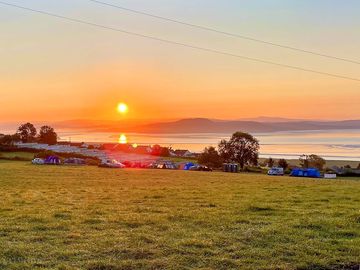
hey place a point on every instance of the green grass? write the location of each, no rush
(101, 219)
(17, 155)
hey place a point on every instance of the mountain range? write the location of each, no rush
(205, 125)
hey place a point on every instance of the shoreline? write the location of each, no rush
(10, 155)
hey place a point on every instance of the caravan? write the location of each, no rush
(276, 171)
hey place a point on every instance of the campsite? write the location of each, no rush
(72, 217)
(179, 135)
(115, 207)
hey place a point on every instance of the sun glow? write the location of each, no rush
(122, 139)
(122, 108)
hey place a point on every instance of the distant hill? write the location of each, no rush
(204, 125)
(267, 119)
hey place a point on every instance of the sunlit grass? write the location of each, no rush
(17, 155)
(93, 218)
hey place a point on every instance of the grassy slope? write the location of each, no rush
(92, 218)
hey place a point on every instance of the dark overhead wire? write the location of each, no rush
(226, 33)
(178, 43)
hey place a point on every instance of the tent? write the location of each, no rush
(310, 172)
(52, 160)
(188, 166)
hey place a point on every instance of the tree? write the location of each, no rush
(6, 140)
(304, 161)
(155, 150)
(158, 150)
(164, 152)
(47, 135)
(27, 132)
(210, 157)
(283, 163)
(9, 139)
(270, 162)
(317, 162)
(313, 161)
(242, 148)
(358, 167)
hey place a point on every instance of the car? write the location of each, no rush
(169, 165)
(112, 163)
(200, 168)
(38, 161)
(276, 171)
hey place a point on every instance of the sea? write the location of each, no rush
(330, 144)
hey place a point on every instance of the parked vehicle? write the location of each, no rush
(166, 165)
(330, 175)
(38, 161)
(112, 163)
(276, 171)
(200, 168)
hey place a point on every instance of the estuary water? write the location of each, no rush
(330, 144)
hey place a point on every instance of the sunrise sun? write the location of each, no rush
(122, 108)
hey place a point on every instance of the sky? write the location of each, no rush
(58, 70)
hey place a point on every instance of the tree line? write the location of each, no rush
(243, 148)
(27, 133)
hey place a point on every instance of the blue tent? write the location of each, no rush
(52, 160)
(310, 172)
(188, 166)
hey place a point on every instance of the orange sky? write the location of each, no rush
(53, 70)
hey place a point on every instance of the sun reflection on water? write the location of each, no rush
(123, 139)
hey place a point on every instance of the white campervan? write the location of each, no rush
(276, 171)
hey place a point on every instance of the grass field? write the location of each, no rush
(101, 219)
(17, 155)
